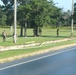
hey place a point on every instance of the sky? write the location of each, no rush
(65, 4)
(0, 2)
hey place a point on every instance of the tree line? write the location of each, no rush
(33, 14)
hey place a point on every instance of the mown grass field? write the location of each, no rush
(47, 35)
(12, 53)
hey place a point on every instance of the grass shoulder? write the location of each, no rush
(12, 53)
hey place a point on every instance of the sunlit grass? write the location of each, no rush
(12, 53)
(48, 34)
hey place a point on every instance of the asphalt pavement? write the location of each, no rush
(60, 62)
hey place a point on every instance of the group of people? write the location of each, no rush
(39, 32)
(4, 34)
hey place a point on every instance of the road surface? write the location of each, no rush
(61, 62)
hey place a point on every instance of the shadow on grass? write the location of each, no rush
(46, 36)
(7, 35)
(57, 36)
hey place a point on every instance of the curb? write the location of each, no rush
(35, 53)
(3, 48)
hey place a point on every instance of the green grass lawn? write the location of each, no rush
(48, 34)
(6, 54)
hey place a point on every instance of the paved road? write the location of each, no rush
(62, 62)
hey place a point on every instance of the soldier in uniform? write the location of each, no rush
(4, 34)
(57, 32)
(40, 31)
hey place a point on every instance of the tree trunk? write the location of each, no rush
(21, 33)
(25, 31)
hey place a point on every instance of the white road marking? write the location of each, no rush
(37, 59)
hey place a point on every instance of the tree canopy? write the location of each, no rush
(36, 13)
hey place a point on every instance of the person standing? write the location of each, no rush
(57, 32)
(4, 34)
(40, 31)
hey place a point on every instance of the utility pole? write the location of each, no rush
(15, 21)
(72, 21)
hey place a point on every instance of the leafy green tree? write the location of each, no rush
(40, 14)
(23, 16)
(8, 10)
(55, 16)
(74, 16)
(0, 15)
(35, 11)
(4, 18)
